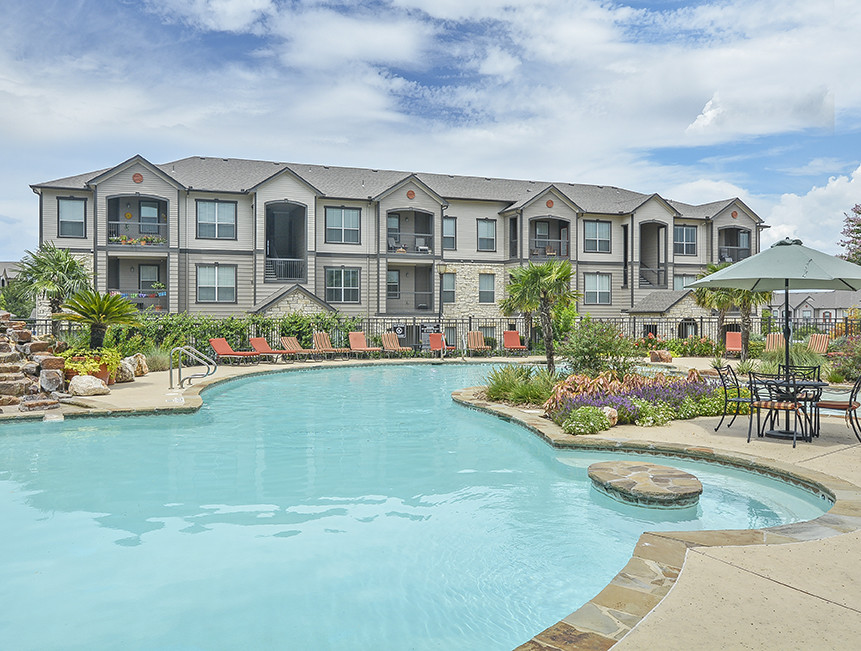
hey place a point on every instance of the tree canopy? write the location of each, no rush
(539, 287)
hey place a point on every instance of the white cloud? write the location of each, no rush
(216, 15)
(499, 63)
(816, 217)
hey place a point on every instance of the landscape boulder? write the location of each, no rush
(51, 380)
(612, 415)
(88, 385)
(660, 356)
(138, 362)
(125, 372)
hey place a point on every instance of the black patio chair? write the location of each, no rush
(732, 394)
(778, 394)
(849, 407)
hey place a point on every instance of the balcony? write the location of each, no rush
(418, 303)
(547, 249)
(655, 278)
(143, 299)
(409, 243)
(279, 270)
(733, 253)
(136, 233)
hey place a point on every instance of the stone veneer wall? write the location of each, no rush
(294, 303)
(466, 290)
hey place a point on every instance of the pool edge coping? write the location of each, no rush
(659, 557)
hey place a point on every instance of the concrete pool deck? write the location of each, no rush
(795, 586)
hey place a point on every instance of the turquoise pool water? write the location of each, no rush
(323, 509)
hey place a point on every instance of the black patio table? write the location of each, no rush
(794, 389)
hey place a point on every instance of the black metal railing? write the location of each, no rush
(284, 269)
(733, 253)
(650, 277)
(543, 248)
(137, 233)
(413, 243)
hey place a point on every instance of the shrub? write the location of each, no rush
(586, 420)
(692, 347)
(653, 414)
(649, 342)
(520, 384)
(847, 362)
(157, 359)
(799, 355)
(594, 347)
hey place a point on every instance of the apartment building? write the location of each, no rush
(226, 236)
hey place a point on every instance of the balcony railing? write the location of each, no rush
(137, 233)
(542, 248)
(733, 253)
(156, 299)
(414, 243)
(409, 302)
(656, 278)
(284, 269)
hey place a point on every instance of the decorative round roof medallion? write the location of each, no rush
(411, 194)
(137, 177)
(734, 214)
(549, 203)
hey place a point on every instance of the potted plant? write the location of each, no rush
(101, 362)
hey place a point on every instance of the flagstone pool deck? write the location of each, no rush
(795, 586)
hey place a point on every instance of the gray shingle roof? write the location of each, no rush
(659, 301)
(240, 175)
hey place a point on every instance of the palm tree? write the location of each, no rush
(720, 300)
(99, 311)
(540, 287)
(52, 273)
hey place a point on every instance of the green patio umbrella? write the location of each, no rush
(786, 265)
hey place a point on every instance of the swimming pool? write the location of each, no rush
(353, 508)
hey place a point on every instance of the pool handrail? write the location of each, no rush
(197, 356)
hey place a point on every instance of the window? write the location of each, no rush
(806, 314)
(449, 233)
(393, 283)
(70, 214)
(486, 235)
(342, 285)
(216, 220)
(597, 289)
(680, 280)
(826, 316)
(450, 334)
(148, 275)
(542, 232)
(216, 283)
(393, 228)
(685, 240)
(596, 236)
(342, 225)
(448, 288)
(149, 217)
(486, 291)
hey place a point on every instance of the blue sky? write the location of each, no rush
(697, 101)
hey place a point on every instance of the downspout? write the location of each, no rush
(632, 261)
(520, 226)
(379, 261)
(256, 223)
(96, 237)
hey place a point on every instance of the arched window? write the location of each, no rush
(687, 328)
(826, 316)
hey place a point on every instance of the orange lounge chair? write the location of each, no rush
(436, 340)
(223, 351)
(818, 343)
(733, 343)
(475, 342)
(392, 345)
(323, 345)
(774, 341)
(358, 344)
(262, 346)
(292, 345)
(511, 342)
